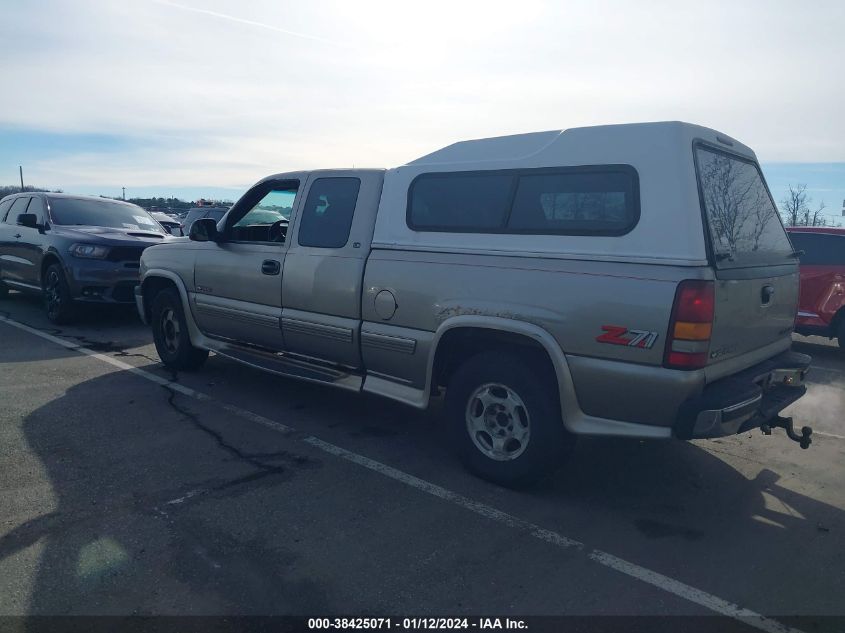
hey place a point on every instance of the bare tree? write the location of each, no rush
(817, 219)
(795, 207)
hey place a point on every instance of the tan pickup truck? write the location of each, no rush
(624, 280)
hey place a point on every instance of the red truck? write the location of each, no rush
(821, 309)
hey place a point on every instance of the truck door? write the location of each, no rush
(238, 280)
(324, 266)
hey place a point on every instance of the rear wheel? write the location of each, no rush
(505, 420)
(840, 333)
(170, 333)
(57, 300)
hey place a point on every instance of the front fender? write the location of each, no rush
(197, 338)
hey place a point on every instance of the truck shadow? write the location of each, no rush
(119, 542)
(101, 328)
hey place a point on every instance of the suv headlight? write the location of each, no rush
(89, 251)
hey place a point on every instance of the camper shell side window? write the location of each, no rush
(589, 200)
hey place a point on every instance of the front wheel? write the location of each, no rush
(504, 415)
(57, 300)
(170, 333)
(840, 334)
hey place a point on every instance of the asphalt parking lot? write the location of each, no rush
(230, 491)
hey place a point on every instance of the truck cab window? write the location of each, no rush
(268, 220)
(327, 216)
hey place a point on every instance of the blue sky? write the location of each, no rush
(204, 97)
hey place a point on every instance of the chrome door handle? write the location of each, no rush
(270, 267)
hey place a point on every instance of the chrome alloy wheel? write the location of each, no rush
(497, 421)
(170, 330)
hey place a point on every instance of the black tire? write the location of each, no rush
(58, 303)
(170, 333)
(4, 290)
(519, 463)
(840, 333)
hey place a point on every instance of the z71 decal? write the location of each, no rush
(618, 335)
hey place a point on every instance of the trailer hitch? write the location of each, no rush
(786, 423)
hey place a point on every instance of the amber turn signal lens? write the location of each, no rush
(692, 331)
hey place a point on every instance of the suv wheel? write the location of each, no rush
(57, 300)
(505, 419)
(170, 333)
(840, 333)
(4, 290)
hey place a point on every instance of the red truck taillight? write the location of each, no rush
(688, 340)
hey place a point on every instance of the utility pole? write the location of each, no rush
(20, 168)
(124, 192)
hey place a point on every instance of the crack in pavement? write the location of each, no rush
(256, 460)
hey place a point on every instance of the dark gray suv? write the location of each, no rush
(73, 249)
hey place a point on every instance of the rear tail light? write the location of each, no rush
(688, 341)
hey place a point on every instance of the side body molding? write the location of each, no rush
(574, 419)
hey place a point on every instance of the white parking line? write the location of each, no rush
(834, 370)
(665, 583)
(838, 437)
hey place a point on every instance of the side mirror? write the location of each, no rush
(204, 230)
(29, 220)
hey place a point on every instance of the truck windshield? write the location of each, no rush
(745, 227)
(105, 213)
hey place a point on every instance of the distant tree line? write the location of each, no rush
(174, 204)
(5, 190)
(162, 203)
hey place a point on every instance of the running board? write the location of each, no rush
(292, 366)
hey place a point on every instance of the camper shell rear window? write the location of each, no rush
(590, 200)
(742, 221)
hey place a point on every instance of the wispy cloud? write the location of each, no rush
(260, 25)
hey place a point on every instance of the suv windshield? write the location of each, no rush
(105, 213)
(745, 227)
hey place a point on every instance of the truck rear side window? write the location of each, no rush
(745, 227)
(601, 200)
(819, 249)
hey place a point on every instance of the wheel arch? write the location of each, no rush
(48, 259)
(837, 320)
(153, 281)
(462, 336)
